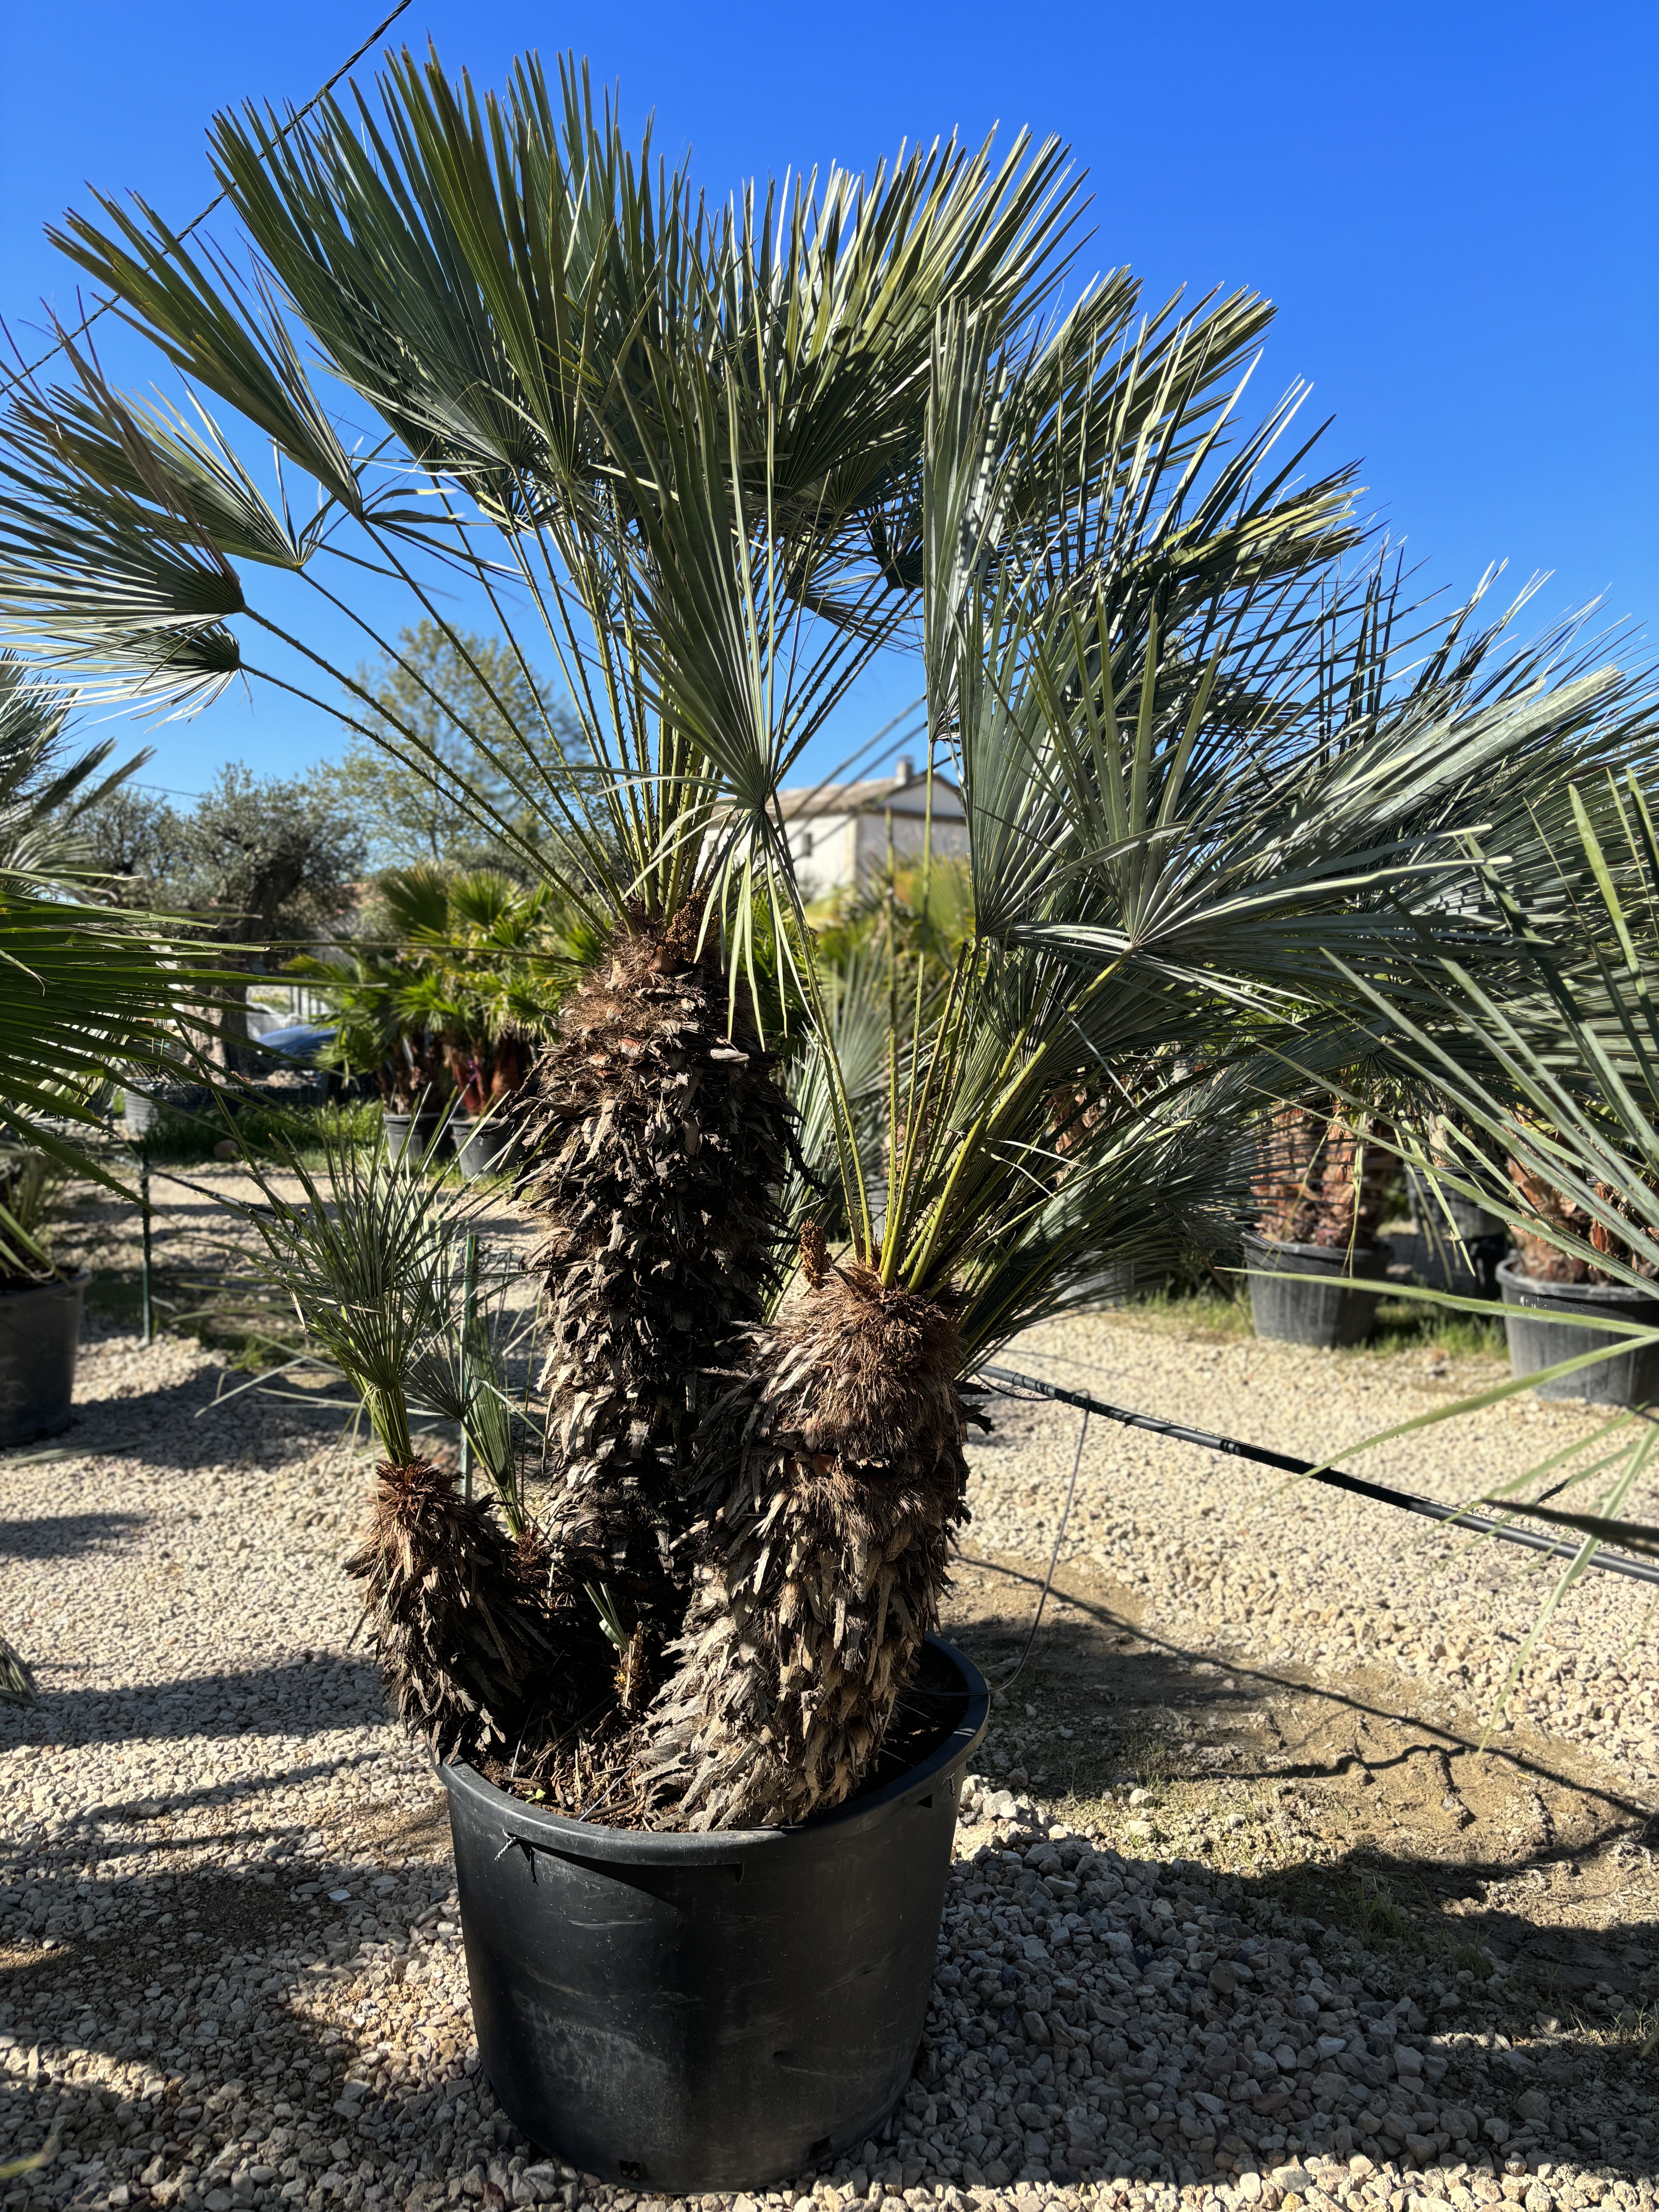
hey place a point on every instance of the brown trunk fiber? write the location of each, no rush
(834, 1474)
(462, 1619)
(1323, 1181)
(654, 1141)
(1544, 1262)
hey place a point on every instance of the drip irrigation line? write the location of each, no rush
(1609, 1563)
(103, 306)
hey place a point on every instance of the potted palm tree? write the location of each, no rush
(1555, 1074)
(1323, 1181)
(703, 1766)
(375, 995)
(40, 1303)
(457, 983)
(490, 981)
(1571, 1267)
(87, 990)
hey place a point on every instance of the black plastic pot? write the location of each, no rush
(1329, 1313)
(1447, 1215)
(1443, 1263)
(421, 1130)
(484, 1146)
(710, 2012)
(40, 1336)
(1630, 1377)
(1122, 1281)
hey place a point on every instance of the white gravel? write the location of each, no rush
(1242, 1558)
(232, 1971)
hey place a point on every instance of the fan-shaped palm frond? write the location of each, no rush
(714, 463)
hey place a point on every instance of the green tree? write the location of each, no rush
(265, 865)
(483, 721)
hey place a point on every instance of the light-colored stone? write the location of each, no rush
(286, 1790)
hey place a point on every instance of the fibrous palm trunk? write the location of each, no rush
(655, 1136)
(462, 1618)
(834, 1474)
(1322, 1179)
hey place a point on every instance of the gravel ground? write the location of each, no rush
(232, 1969)
(1232, 1554)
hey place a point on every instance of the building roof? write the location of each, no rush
(903, 793)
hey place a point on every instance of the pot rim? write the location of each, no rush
(1321, 1251)
(77, 1281)
(588, 1839)
(1612, 1294)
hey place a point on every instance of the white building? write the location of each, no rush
(842, 833)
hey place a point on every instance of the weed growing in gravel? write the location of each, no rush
(1471, 1957)
(1373, 1910)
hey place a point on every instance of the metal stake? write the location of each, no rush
(469, 1302)
(147, 1310)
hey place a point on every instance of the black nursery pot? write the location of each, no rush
(484, 1147)
(1333, 1312)
(711, 2012)
(402, 1130)
(39, 1337)
(1537, 1339)
(1441, 1214)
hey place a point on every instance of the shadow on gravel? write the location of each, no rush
(1332, 1801)
(295, 1698)
(66, 1535)
(170, 2023)
(209, 1997)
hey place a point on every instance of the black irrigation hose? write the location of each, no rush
(1609, 1563)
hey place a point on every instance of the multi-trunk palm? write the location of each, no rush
(716, 463)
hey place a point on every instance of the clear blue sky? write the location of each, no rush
(1454, 206)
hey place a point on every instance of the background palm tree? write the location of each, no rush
(713, 464)
(84, 988)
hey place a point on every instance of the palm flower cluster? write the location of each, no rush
(1224, 785)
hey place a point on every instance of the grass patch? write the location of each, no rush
(263, 1132)
(1406, 1325)
(1403, 1325)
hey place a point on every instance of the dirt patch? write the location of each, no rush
(1331, 1797)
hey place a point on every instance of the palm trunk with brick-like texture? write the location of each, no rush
(1322, 1179)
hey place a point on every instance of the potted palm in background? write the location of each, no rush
(457, 981)
(1554, 1078)
(495, 968)
(1323, 1181)
(87, 990)
(722, 465)
(1571, 1264)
